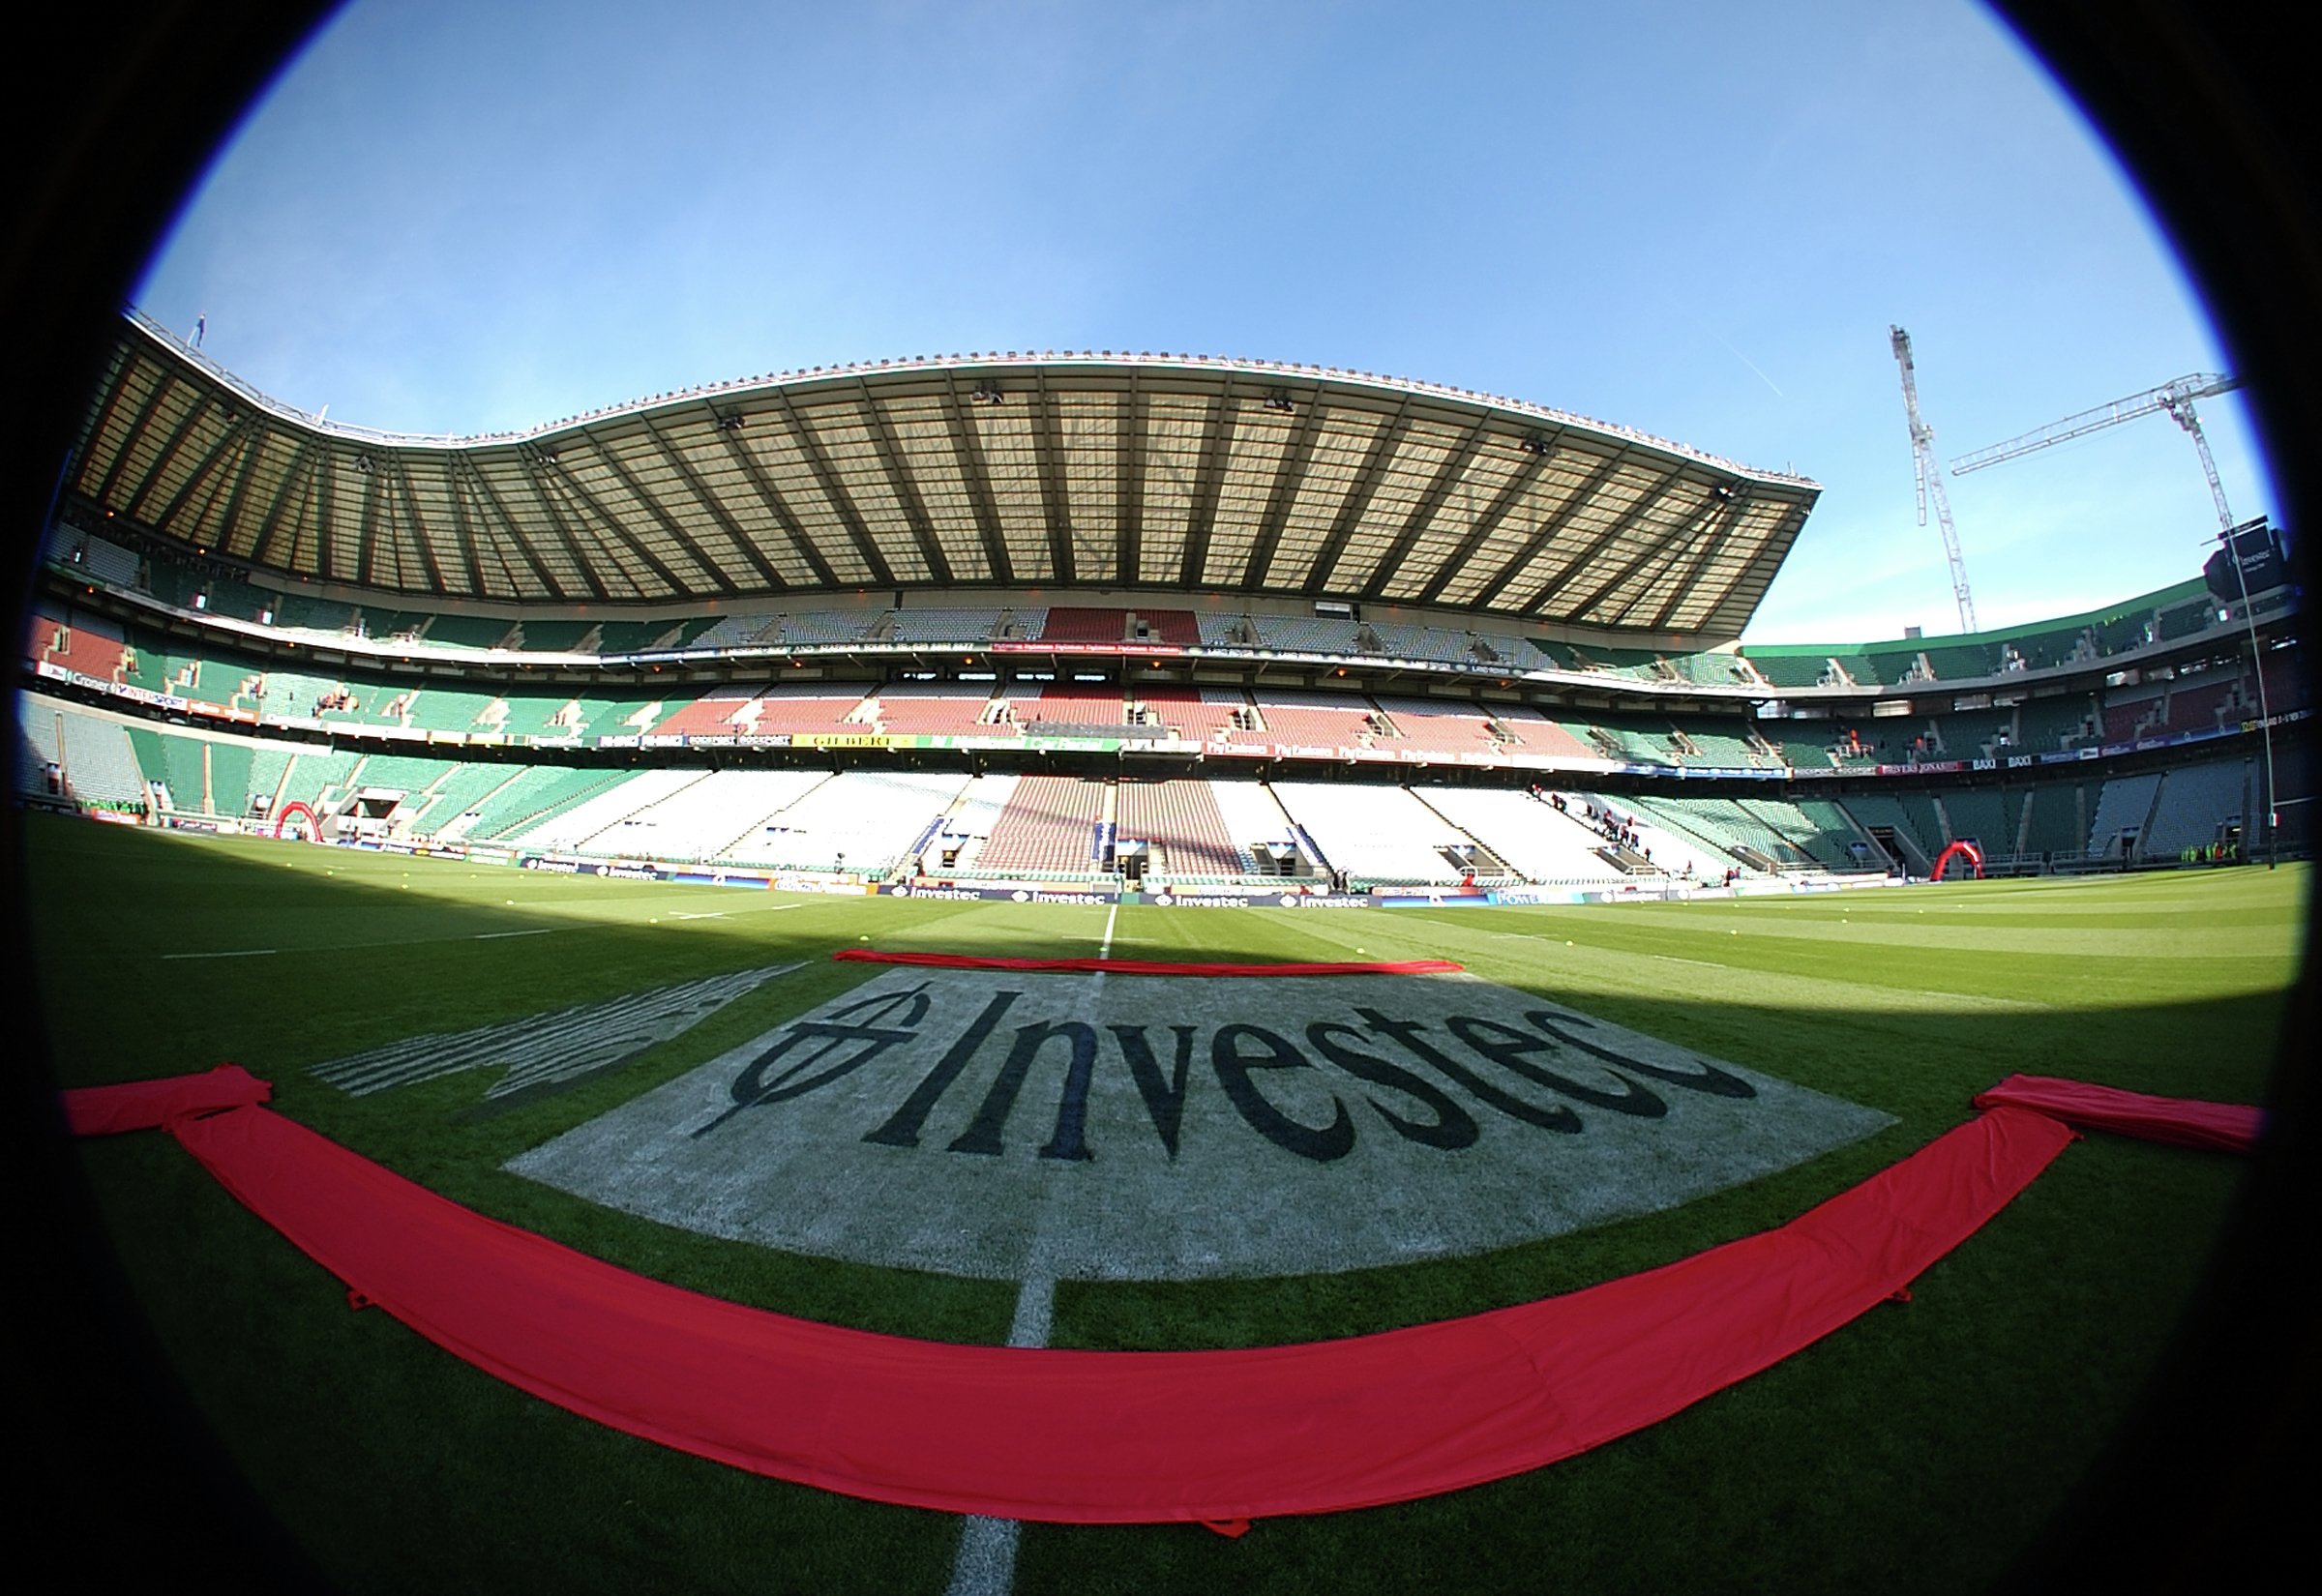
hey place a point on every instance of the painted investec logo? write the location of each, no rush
(1000, 1124)
(1241, 1055)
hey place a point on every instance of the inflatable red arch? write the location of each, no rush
(1973, 854)
(290, 811)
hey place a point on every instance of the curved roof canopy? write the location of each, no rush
(1018, 470)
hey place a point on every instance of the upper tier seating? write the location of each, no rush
(1080, 624)
(952, 708)
(1326, 720)
(717, 712)
(1063, 708)
(1194, 714)
(1431, 727)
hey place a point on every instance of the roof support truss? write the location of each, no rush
(967, 452)
(662, 517)
(810, 448)
(1207, 477)
(900, 484)
(1285, 491)
(1358, 498)
(773, 502)
(1455, 465)
(744, 544)
(1550, 529)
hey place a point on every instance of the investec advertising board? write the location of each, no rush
(1011, 1125)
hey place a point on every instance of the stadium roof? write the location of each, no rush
(1089, 470)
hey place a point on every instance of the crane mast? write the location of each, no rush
(1930, 479)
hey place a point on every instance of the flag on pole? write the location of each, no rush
(201, 325)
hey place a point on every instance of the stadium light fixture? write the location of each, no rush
(1536, 445)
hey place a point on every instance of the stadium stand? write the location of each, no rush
(865, 822)
(2196, 805)
(1326, 720)
(2122, 809)
(2045, 724)
(1527, 833)
(1256, 821)
(1194, 714)
(796, 709)
(976, 627)
(598, 825)
(706, 818)
(1187, 832)
(1433, 727)
(938, 707)
(741, 631)
(1079, 624)
(1380, 834)
(809, 628)
(1535, 733)
(1048, 830)
(1911, 831)
(1073, 708)
(536, 794)
(98, 764)
(966, 826)
(176, 764)
(1704, 834)
(1977, 817)
(2131, 716)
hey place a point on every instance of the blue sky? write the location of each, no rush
(1696, 219)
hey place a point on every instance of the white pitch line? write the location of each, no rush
(226, 953)
(1105, 952)
(986, 1564)
(491, 936)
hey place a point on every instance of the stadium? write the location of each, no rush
(503, 801)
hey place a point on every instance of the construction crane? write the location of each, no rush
(1930, 480)
(2175, 397)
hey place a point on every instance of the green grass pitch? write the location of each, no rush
(1918, 1449)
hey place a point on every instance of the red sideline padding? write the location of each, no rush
(1142, 966)
(1115, 1438)
(143, 1104)
(2182, 1122)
